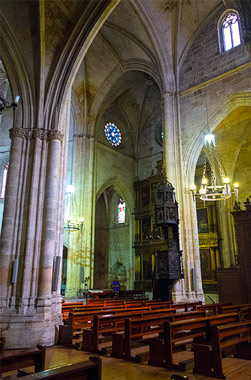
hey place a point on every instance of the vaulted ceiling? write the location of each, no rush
(138, 47)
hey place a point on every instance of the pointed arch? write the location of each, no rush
(17, 75)
(120, 188)
(220, 112)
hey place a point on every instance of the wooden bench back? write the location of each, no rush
(194, 327)
(103, 321)
(212, 308)
(78, 319)
(107, 325)
(186, 306)
(88, 370)
(90, 309)
(17, 359)
(151, 323)
(243, 309)
(227, 335)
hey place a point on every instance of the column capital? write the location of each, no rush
(55, 135)
(31, 133)
(83, 136)
(168, 94)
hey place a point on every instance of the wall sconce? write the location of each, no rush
(193, 190)
(4, 104)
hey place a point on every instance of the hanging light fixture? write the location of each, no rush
(211, 191)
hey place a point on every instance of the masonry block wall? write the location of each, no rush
(213, 84)
(205, 61)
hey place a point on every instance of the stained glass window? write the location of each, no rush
(121, 211)
(113, 134)
(3, 187)
(231, 31)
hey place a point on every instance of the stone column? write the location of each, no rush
(30, 230)
(12, 210)
(227, 243)
(80, 250)
(189, 244)
(171, 138)
(50, 217)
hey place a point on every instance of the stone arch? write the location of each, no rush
(132, 65)
(193, 150)
(197, 32)
(128, 275)
(120, 188)
(17, 75)
(164, 59)
(70, 60)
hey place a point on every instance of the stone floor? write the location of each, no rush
(116, 369)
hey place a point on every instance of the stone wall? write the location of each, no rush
(118, 170)
(120, 261)
(204, 59)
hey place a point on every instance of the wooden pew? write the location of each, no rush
(140, 329)
(83, 308)
(126, 305)
(186, 306)
(107, 325)
(212, 308)
(17, 359)
(115, 300)
(87, 370)
(208, 357)
(78, 320)
(243, 309)
(177, 332)
(134, 294)
(159, 304)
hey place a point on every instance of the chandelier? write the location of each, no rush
(213, 191)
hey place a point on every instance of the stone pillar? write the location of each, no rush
(80, 250)
(227, 243)
(183, 289)
(50, 216)
(30, 230)
(12, 210)
(171, 138)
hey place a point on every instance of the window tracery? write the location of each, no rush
(230, 35)
(113, 134)
(121, 211)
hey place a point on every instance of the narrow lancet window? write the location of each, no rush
(121, 211)
(231, 31)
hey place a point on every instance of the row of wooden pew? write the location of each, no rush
(157, 333)
(77, 316)
(82, 316)
(16, 360)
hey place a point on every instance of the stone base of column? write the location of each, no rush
(194, 296)
(28, 335)
(26, 328)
